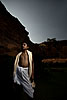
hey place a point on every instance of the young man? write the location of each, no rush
(24, 70)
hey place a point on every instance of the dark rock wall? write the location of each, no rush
(12, 32)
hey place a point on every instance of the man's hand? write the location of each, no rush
(14, 73)
(33, 84)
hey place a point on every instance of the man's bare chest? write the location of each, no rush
(24, 56)
(23, 61)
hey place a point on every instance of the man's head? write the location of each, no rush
(24, 46)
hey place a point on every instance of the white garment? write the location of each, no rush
(22, 78)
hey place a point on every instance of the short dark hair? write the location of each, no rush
(24, 42)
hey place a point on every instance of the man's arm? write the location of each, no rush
(16, 63)
(32, 69)
(14, 71)
(33, 83)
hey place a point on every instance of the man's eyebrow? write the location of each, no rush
(24, 43)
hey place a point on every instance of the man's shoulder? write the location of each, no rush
(19, 54)
(29, 52)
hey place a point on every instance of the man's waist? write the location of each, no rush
(23, 66)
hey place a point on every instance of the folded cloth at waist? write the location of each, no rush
(22, 78)
(23, 66)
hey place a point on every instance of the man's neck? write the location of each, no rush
(24, 51)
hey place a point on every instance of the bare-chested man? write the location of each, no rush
(24, 70)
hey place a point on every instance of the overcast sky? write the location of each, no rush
(42, 18)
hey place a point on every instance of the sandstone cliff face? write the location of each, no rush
(53, 49)
(12, 32)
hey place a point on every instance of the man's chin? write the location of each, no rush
(24, 49)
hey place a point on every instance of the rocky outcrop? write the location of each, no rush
(54, 49)
(12, 32)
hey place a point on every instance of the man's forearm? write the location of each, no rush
(33, 71)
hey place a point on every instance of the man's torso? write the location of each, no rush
(23, 60)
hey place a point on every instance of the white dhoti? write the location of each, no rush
(22, 78)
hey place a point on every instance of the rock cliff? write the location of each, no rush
(12, 32)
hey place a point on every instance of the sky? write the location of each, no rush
(42, 18)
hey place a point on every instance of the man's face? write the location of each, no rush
(24, 46)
